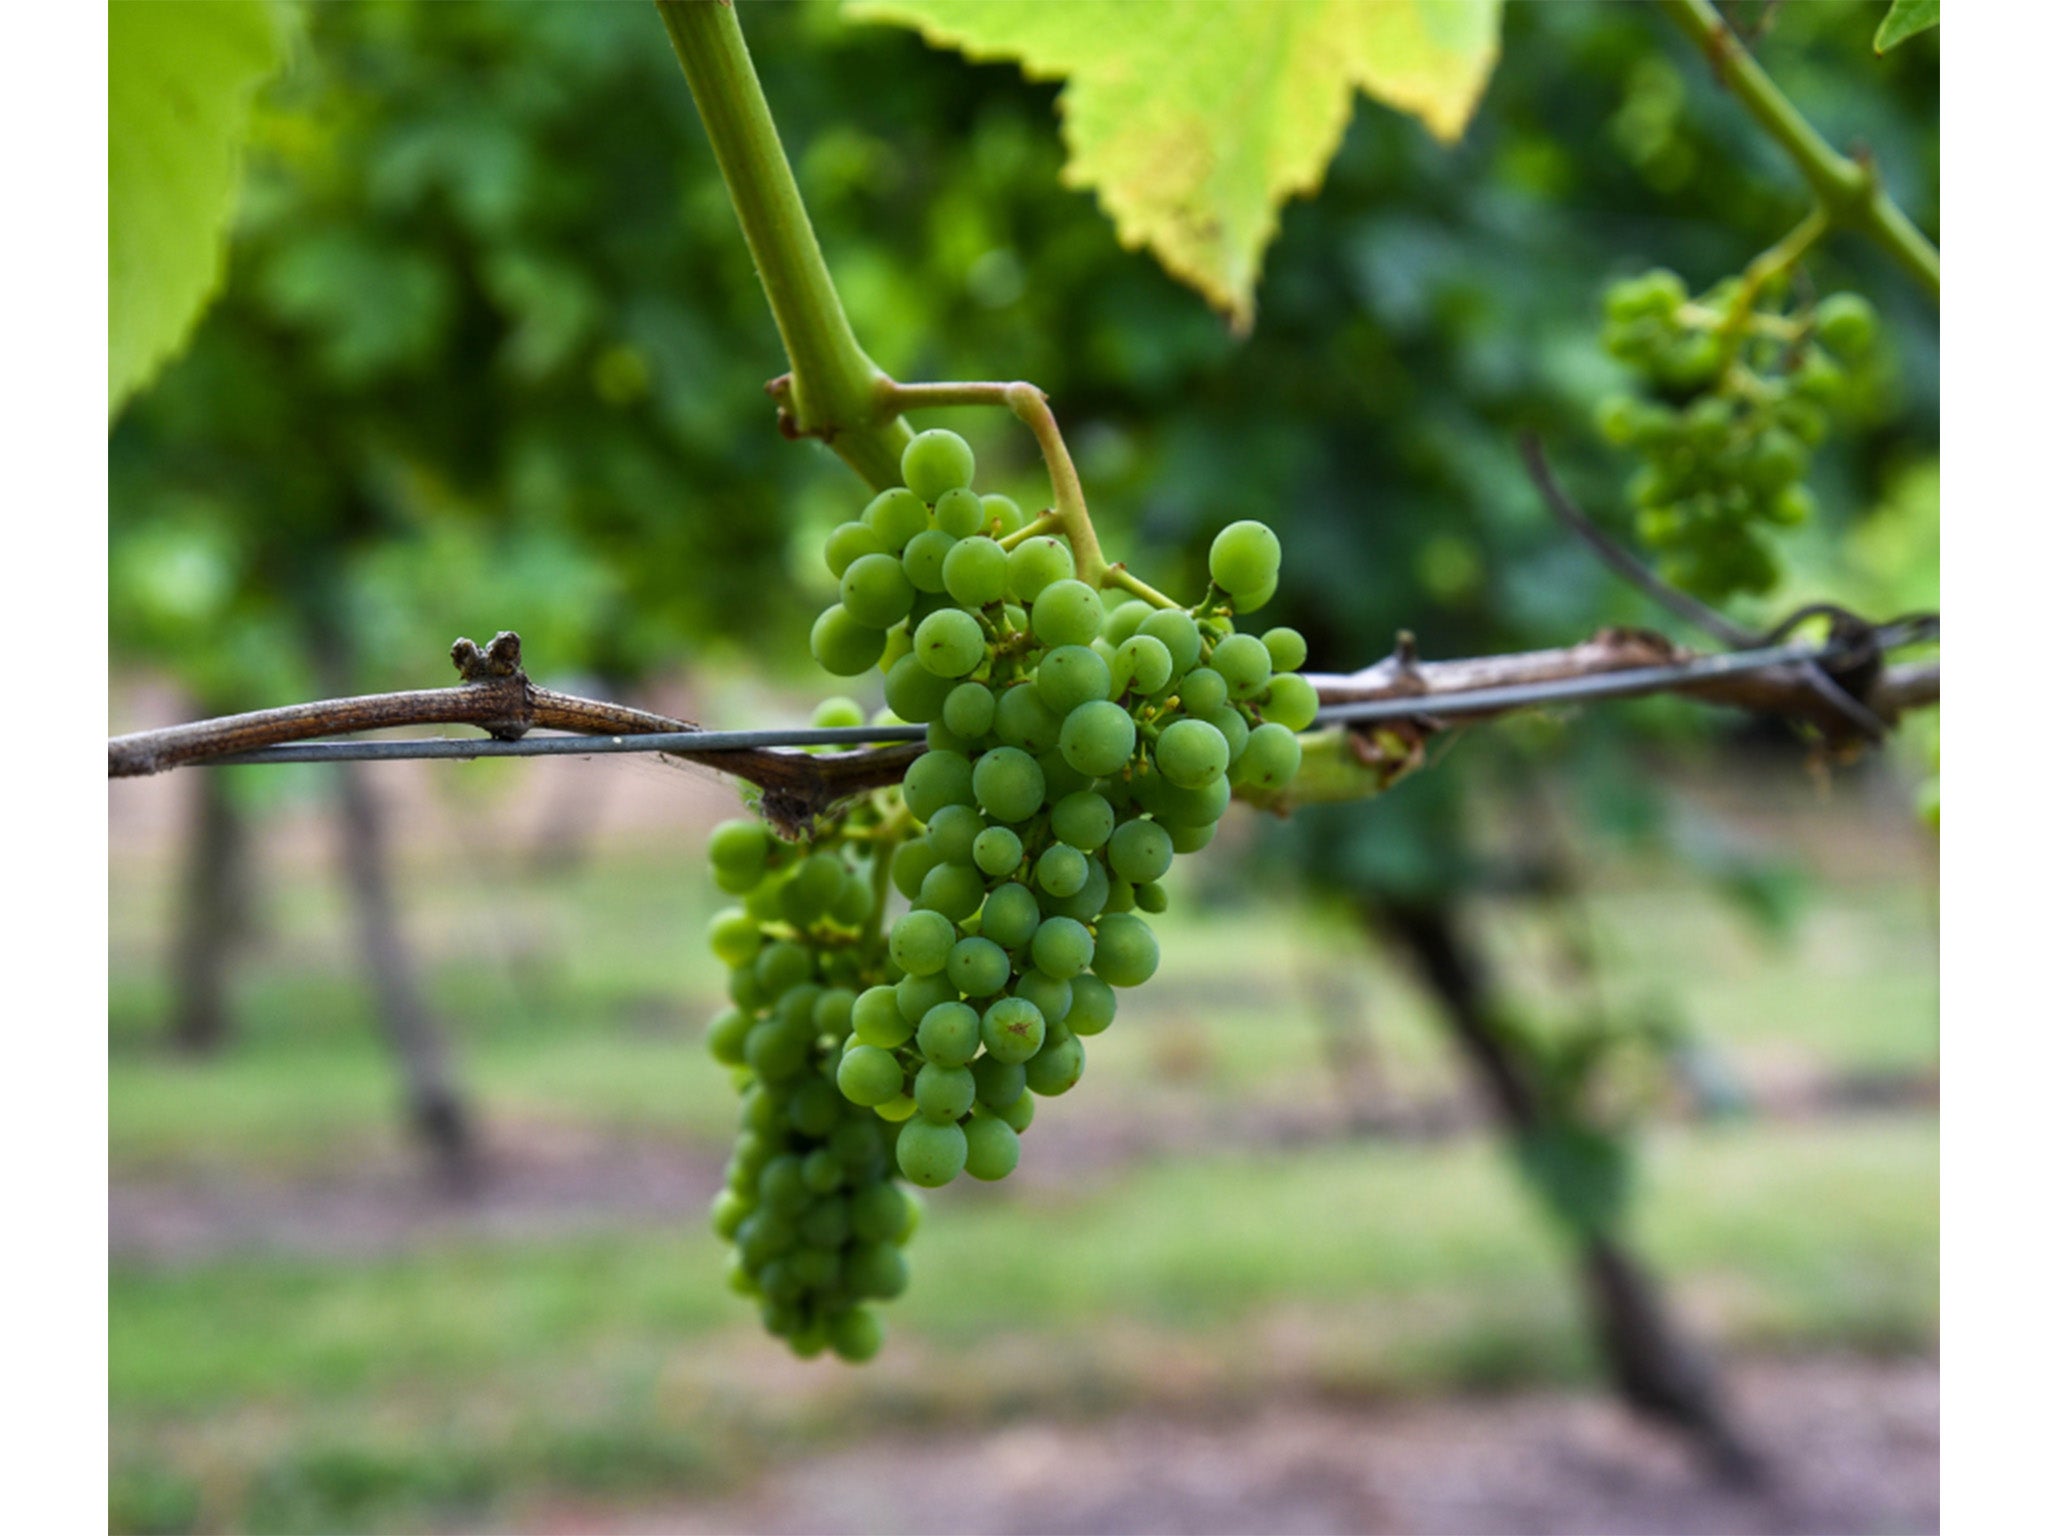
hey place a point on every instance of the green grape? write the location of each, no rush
(782, 965)
(896, 1111)
(931, 1152)
(1049, 995)
(1846, 324)
(1010, 914)
(1018, 1116)
(1193, 753)
(877, 1018)
(1062, 778)
(1056, 1068)
(936, 462)
(1143, 665)
(1777, 460)
(1023, 720)
(1093, 1008)
(1140, 851)
(952, 831)
(1066, 612)
(950, 643)
(924, 560)
(1009, 783)
(837, 712)
(1083, 819)
(847, 543)
(1084, 903)
(875, 591)
(739, 849)
(917, 996)
(897, 517)
(997, 852)
(914, 860)
(1036, 564)
(1126, 953)
(1270, 758)
(819, 880)
(917, 694)
(1235, 732)
(782, 1184)
(1203, 690)
(727, 1212)
(950, 1034)
(1123, 620)
(997, 1083)
(1177, 632)
(935, 781)
(920, 942)
(823, 1172)
(1003, 515)
(978, 967)
(1618, 419)
(1245, 557)
(1071, 675)
(834, 1012)
(1291, 702)
(735, 937)
(1062, 948)
(726, 1036)
(877, 1269)
(976, 572)
(1790, 507)
(1244, 663)
(877, 1212)
(958, 513)
(869, 1075)
(1098, 738)
(951, 889)
(856, 1335)
(825, 1225)
(944, 1092)
(991, 1148)
(970, 711)
(1062, 870)
(1013, 1029)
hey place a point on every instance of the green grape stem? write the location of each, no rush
(1765, 266)
(831, 392)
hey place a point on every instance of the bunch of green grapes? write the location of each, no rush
(1734, 395)
(1074, 751)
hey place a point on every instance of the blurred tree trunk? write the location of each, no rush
(1652, 1365)
(213, 911)
(433, 1101)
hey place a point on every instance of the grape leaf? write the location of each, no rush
(180, 78)
(1905, 18)
(1195, 120)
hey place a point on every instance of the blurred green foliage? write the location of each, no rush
(491, 352)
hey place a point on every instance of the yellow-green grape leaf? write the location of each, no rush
(180, 78)
(1905, 18)
(1195, 120)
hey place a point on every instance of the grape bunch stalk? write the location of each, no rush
(1074, 752)
(1734, 392)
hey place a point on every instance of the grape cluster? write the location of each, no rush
(1735, 393)
(815, 1217)
(1074, 751)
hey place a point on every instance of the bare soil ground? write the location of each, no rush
(1854, 1446)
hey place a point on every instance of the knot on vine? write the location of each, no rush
(497, 666)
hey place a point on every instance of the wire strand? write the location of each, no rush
(1633, 682)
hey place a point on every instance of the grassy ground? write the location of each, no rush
(1158, 1253)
